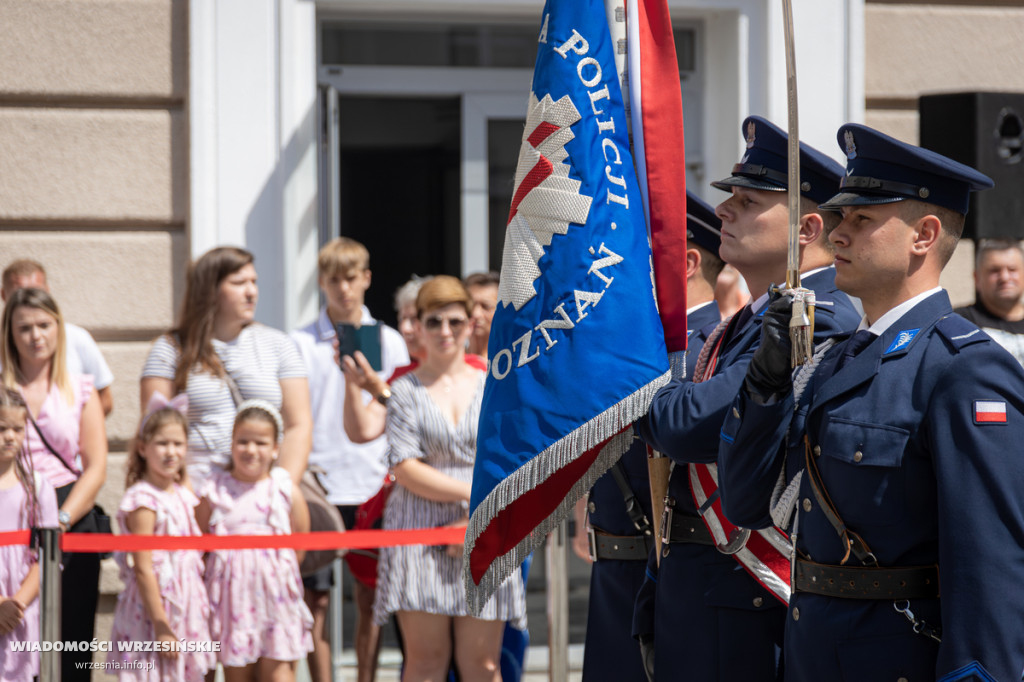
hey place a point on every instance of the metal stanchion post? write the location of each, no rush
(334, 614)
(49, 600)
(558, 604)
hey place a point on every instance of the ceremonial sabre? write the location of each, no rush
(801, 325)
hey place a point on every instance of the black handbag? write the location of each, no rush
(96, 519)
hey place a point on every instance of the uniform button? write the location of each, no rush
(735, 413)
(817, 451)
(591, 507)
(758, 601)
(807, 504)
(796, 613)
(858, 456)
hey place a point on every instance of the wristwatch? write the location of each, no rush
(63, 518)
(383, 396)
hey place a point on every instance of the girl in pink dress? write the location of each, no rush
(258, 613)
(164, 599)
(26, 500)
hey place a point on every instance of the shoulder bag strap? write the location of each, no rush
(50, 447)
(236, 393)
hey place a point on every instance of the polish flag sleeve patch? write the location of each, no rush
(989, 412)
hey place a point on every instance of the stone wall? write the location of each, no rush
(94, 179)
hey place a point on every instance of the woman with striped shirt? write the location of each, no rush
(216, 342)
(431, 429)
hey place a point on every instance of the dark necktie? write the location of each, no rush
(744, 315)
(855, 345)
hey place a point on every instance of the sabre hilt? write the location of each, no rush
(801, 326)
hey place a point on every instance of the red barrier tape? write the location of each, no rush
(355, 539)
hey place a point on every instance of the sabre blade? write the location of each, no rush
(801, 325)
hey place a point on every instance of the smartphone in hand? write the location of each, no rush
(365, 338)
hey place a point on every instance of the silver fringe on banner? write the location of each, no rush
(541, 467)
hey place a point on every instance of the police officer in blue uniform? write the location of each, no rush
(713, 621)
(900, 453)
(703, 265)
(619, 506)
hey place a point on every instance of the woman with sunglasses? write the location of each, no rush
(431, 429)
(67, 443)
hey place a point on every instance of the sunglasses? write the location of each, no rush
(435, 322)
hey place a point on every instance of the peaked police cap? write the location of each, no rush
(703, 227)
(765, 164)
(882, 170)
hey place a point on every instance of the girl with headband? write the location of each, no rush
(258, 613)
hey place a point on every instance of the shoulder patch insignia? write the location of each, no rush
(902, 340)
(989, 411)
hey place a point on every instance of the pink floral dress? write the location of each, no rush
(15, 563)
(255, 594)
(179, 575)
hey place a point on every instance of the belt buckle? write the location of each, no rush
(666, 527)
(592, 543)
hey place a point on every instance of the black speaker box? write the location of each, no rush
(984, 130)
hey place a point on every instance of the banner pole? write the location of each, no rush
(558, 604)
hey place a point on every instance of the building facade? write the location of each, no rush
(136, 134)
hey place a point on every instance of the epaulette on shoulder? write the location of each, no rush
(960, 332)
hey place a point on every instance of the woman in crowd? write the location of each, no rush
(220, 357)
(405, 307)
(67, 443)
(431, 428)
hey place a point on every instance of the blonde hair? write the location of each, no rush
(9, 356)
(342, 256)
(443, 290)
(148, 428)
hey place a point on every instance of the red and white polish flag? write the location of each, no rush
(989, 412)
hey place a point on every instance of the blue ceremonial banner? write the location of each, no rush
(576, 349)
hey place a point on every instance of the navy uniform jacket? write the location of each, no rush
(610, 652)
(713, 620)
(909, 467)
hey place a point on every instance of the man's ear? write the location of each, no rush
(811, 228)
(927, 230)
(693, 259)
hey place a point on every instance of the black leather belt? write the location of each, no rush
(604, 546)
(688, 529)
(870, 582)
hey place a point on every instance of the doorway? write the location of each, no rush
(398, 184)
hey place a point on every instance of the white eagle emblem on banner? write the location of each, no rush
(545, 199)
